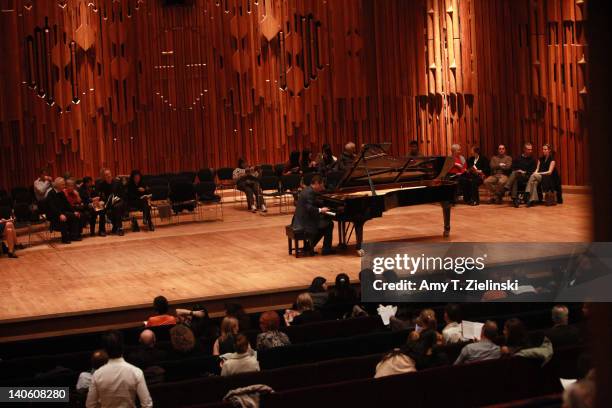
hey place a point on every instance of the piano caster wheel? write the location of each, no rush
(446, 234)
(360, 252)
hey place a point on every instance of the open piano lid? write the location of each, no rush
(375, 162)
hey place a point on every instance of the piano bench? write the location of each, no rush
(293, 240)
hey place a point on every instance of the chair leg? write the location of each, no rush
(289, 245)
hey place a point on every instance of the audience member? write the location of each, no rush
(582, 393)
(500, 168)
(348, 156)
(307, 313)
(422, 347)
(477, 172)
(8, 234)
(111, 193)
(327, 160)
(226, 342)
(522, 169)
(293, 166)
(452, 332)
(270, 336)
(42, 185)
(138, 199)
(98, 359)
(413, 150)
(63, 217)
(395, 362)
(147, 354)
(183, 341)
(244, 360)
(318, 292)
(308, 164)
(117, 383)
(161, 318)
(247, 181)
(236, 310)
(342, 298)
(515, 337)
(483, 349)
(562, 334)
(546, 175)
(74, 199)
(460, 164)
(93, 206)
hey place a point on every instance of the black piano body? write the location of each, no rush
(378, 182)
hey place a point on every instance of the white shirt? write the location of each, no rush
(116, 384)
(84, 380)
(41, 189)
(452, 333)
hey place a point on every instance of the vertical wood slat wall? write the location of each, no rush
(135, 84)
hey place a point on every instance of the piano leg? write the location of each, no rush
(358, 234)
(446, 211)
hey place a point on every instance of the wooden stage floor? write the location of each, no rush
(244, 254)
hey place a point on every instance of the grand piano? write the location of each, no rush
(377, 182)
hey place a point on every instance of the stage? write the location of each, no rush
(102, 282)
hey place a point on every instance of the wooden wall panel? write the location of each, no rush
(133, 84)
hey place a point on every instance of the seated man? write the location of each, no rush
(64, 218)
(484, 349)
(247, 181)
(42, 185)
(500, 167)
(93, 207)
(147, 354)
(98, 359)
(312, 219)
(562, 334)
(138, 200)
(348, 156)
(522, 168)
(111, 192)
(452, 332)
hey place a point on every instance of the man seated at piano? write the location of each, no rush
(315, 221)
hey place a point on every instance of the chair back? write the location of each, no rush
(206, 174)
(290, 182)
(269, 183)
(225, 174)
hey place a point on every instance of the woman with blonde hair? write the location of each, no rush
(307, 312)
(225, 343)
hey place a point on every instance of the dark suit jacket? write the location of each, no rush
(307, 215)
(144, 357)
(56, 205)
(563, 335)
(482, 164)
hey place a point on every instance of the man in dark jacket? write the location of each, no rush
(111, 192)
(63, 217)
(313, 219)
(522, 168)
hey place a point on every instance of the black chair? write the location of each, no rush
(182, 196)
(205, 193)
(267, 169)
(22, 195)
(226, 180)
(278, 169)
(290, 186)
(270, 187)
(206, 175)
(190, 175)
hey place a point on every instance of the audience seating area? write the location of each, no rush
(331, 362)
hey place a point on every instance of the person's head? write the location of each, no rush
(269, 321)
(229, 326)
(456, 149)
(59, 184)
(182, 338)
(501, 150)
(527, 149)
(294, 158)
(242, 344)
(241, 163)
(235, 309)
(106, 175)
(98, 359)
(43, 173)
(560, 314)
(580, 394)
(317, 183)
(135, 177)
(327, 150)
(319, 284)
(87, 181)
(489, 330)
(304, 302)
(147, 338)
(476, 151)
(452, 313)
(427, 319)
(515, 333)
(70, 184)
(160, 304)
(546, 150)
(113, 344)
(350, 148)
(413, 147)
(342, 281)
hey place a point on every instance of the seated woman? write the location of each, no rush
(308, 164)
(326, 160)
(138, 200)
(8, 235)
(92, 206)
(247, 181)
(226, 342)
(318, 292)
(73, 197)
(460, 165)
(515, 337)
(293, 166)
(546, 175)
(477, 171)
(270, 336)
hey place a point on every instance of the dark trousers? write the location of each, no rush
(116, 216)
(250, 187)
(96, 215)
(142, 206)
(513, 182)
(326, 232)
(469, 185)
(70, 229)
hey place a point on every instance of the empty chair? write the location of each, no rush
(189, 175)
(226, 180)
(270, 187)
(205, 193)
(278, 169)
(182, 196)
(290, 186)
(206, 175)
